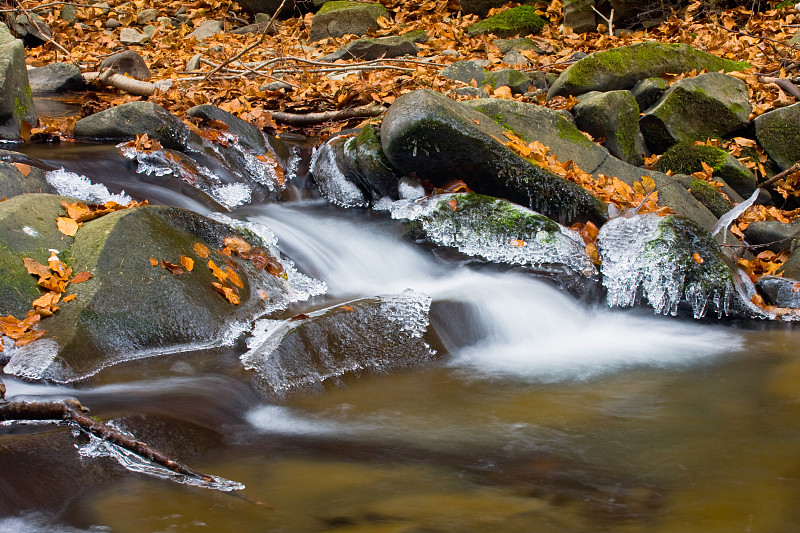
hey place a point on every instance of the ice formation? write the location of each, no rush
(70, 184)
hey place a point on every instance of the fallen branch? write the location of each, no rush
(310, 119)
(71, 410)
(784, 83)
(780, 175)
(113, 78)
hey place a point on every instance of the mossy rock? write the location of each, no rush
(466, 71)
(521, 20)
(16, 103)
(427, 134)
(710, 196)
(13, 182)
(648, 91)
(778, 132)
(687, 158)
(621, 68)
(614, 116)
(341, 17)
(249, 136)
(518, 82)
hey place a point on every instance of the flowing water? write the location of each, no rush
(541, 413)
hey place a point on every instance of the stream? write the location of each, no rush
(540, 412)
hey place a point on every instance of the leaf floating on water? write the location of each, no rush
(227, 292)
(67, 226)
(234, 278)
(201, 249)
(172, 267)
(187, 262)
(80, 277)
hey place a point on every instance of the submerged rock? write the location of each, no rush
(621, 68)
(131, 309)
(669, 261)
(370, 335)
(498, 231)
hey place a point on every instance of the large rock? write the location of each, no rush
(16, 102)
(688, 158)
(778, 132)
(56, 78)
(613, 115)
(566, 142)
(291, 8)
(772, 235)
(130, 308)
(708, 106)
(521, 20)
(369, 49)
(370, 335)
(248, 135)
(621, 68)
(579, 15)
(439, 140)
(206, 29)
(670, 262)
(466, 71)
(129, 63)
(498, 231)
(781, 292)
(341, 17)
(126, 121)
(22, 179)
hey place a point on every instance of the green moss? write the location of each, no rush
(566, 130)
(687, 158)
(627, 129)
(338, 5)
(500, 217)
(709, 196)
(17, 288)
(514, 21)
(20, 109)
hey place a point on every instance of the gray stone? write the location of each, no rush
(128, 62)
(780, 291)
(56, 78)
(149, 30)
(613, 115)
(708, 106)
(126, 121)
(33, 32)
(521, 43)
(339, 18)
(473, 92)
(778, 132)
(249, 136)
(621, 68)
(772, 234)
(515, 57)
(194, 63)
(277, 86)
(466, 71)
(131, 36)
(14, 183)
(206, 29)
(113, 24)
(579, 15)
(648, 91)
(381, 47)
(258, 28)
(428, 134)
(69, 13)
(146, 16)
(515, 80)
(16, 103)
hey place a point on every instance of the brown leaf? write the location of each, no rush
(23, 168)
(36, 268)
(153, 261)
(219, 274)
(227, 292)
(47, 300)
(80, 277)
(172, 267)
(236, 244)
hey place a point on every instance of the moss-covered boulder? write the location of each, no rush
(621, 68)
(709, 196)
(688, 158)
(326, 347)
(772, 235)
(708, 106)
(439, 140)
(126, 121)
(670, 262)
(479, 7)
(498, 231)
(521, 20)
(369, 49)
(566, 142)
(614, 116)
(13, 182)
(648, 91)
(778, 132)
(131, 308)
(342, 17)
(518, 82)
(16, 102)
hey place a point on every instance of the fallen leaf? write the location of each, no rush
(172, 267)
(201, 249)
(69, 298)
(23, 168)
(346, 307)
(80, 277)
(153, 261)
(67, 226)
(299, 316)
(234, 278)
(187, 262)
(227, 292)
(219, 274)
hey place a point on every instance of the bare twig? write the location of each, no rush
(609, 20)
(784, 83)
(309, 119)
(746, 34)
(780, 175)
(46, 37)
(258, 42)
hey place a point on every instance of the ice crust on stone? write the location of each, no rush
(374, 334)
(331, 181)
(261, 170)
(232, 194)
(643, 258)
(469, 231)
(71, 184)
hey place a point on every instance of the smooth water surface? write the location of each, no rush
(541, 414)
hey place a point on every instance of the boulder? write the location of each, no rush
(129, 63)
(248, 135)
(131, 309)
(707, 194)
(566, 142)
(439, 140)
(515, 80)
(466, 71)
(688, 158)
(369, 49)
(708, 106)
(669, 261)
(16, 103)
(613, 115)
(648, 91)
(779, 291)
(130, 36)
(778, 132)
(772, 235)
(206, 29)
(146, 16)
(516, 21)
(126, 121)
(56, 78)
(291, 8)
(521, 43)
(325, 347)
(498, 231)
(621, 68)
(13, 182)
(342, 17)
(479, 7)
(32, 30)
(579, 15)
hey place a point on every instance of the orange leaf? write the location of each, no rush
(346, 307)
(67, 226)
(453, 203)
(80, 277)
(697, 259)
(516, 242)
(236, 244)
(23, 168)
(36, 268)
(154, 261)
(69, 298)
(187, 262)
(234, 278)
(47, 300)
(172, 267)
(219, 274)
(30, 336)
(227, 292)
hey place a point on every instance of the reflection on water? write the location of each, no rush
(545, 415)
